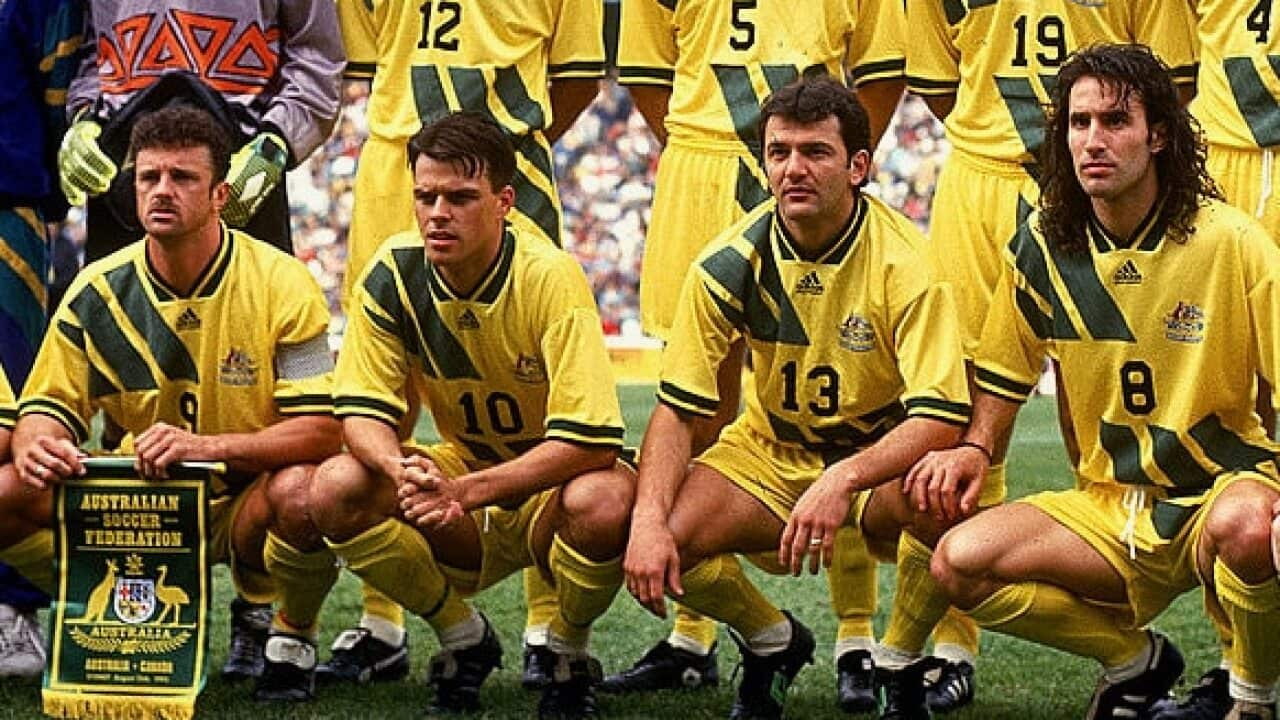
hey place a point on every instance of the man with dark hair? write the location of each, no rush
(500, 336)
(1177, 478)
(857, 373)
(201, 342)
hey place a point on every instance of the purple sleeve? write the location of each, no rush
(305, 105)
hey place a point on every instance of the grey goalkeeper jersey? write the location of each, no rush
(281, 60)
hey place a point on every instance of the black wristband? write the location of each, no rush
(976, 446)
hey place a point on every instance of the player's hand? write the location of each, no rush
(818, 514)
(255, 170)
(651, 565)
(83, 169)
(429, 498)
(947, 482)
(48, 460)
(163, 444)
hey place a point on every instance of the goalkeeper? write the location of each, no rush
(269, 72)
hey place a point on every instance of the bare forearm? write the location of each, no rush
(549, 464)
(664, 460)
(33, 426)
(307, 439)
(880, 98)
(651, 101)
(5, 436)
(896, 452)
(992, 418)
(374, 443)
(568, 99)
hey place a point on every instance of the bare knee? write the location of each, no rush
(345, 498)
(287, 493)
(597, 511)
(1239, 531)
(958, 563)
(23, 508)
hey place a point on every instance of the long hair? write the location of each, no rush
(1133, 73)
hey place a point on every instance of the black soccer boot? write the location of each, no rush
(856, 682)
(456, 675)
(666, 667)
(766, 678)
(1134, 697)
(250, 623)
(570, 690)
(359, 657)
(535, 673)
(954, 688)
(1210, 699)
(902, 692)
(289, 670)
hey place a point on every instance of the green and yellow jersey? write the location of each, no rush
(843, 346)
(723, 58)
(1160, 343)
(519, 360)
(1238, 88)
(1000, 58)
(8, 405)
(245, 348)
(428, 59)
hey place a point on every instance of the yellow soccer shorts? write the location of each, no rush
(976, 209)
(1164, 536)
(251, 583)
(700, 191)
(1251, 181)
(773, 473)
(506, 535)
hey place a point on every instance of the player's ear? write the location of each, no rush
(1158, 137)
(220, 194)
(859, 166)
(506, 198)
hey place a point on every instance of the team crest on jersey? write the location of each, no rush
(238, 369)
(1185, 324)
(809, 284)
(856, 334)
(468, 320)
(188, 320)
(529, 369)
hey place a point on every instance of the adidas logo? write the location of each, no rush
(1127, 274)
(468, 320)
(809, 284)
(188, 320)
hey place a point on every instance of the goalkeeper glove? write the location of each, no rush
(255, 170)
(83, 169)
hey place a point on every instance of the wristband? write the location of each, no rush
(969, 443)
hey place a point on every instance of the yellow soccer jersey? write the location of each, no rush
(1000, 58)
(246, 347)
(519, 360)
(1159, 343)
(1238, 89)
(722, 58)
(8, 406)
(843, 347)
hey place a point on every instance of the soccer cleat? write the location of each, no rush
(359, 657)
(570, 690)
(902, 692)
(666, 667)
(289, 670)
(456, 675)
(856, 682)
(21, 643)
(1134, 697)
(954, 687)
(766, 678)
(250, 623)
(1242, 710)
(1210, 699)
(536, 674)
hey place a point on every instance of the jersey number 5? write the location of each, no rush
(744, 28)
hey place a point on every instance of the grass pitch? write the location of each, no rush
(1016, 680)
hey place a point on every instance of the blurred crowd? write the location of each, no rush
(605, 165)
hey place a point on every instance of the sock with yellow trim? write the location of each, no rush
(396, 559)
(1053, 617)
(303, 580)
(541, 606)
(717, 587)
(852, 583)
(32, 557)
(585, 590)
(918, 603)
(692, 631)
(1254, 612)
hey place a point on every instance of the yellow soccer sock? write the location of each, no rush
(955, 637)
(32, 557)
(918, 602)
(540, 601)
(717, 587)
(396, 559)
(1254, 612)
(1051, 616)
(585, 591)
(852, 583)
(693, 632)
(381, 609)
(303, 580)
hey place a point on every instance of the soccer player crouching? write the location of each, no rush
(201, 342)
(1177, 478)
(500, 332)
